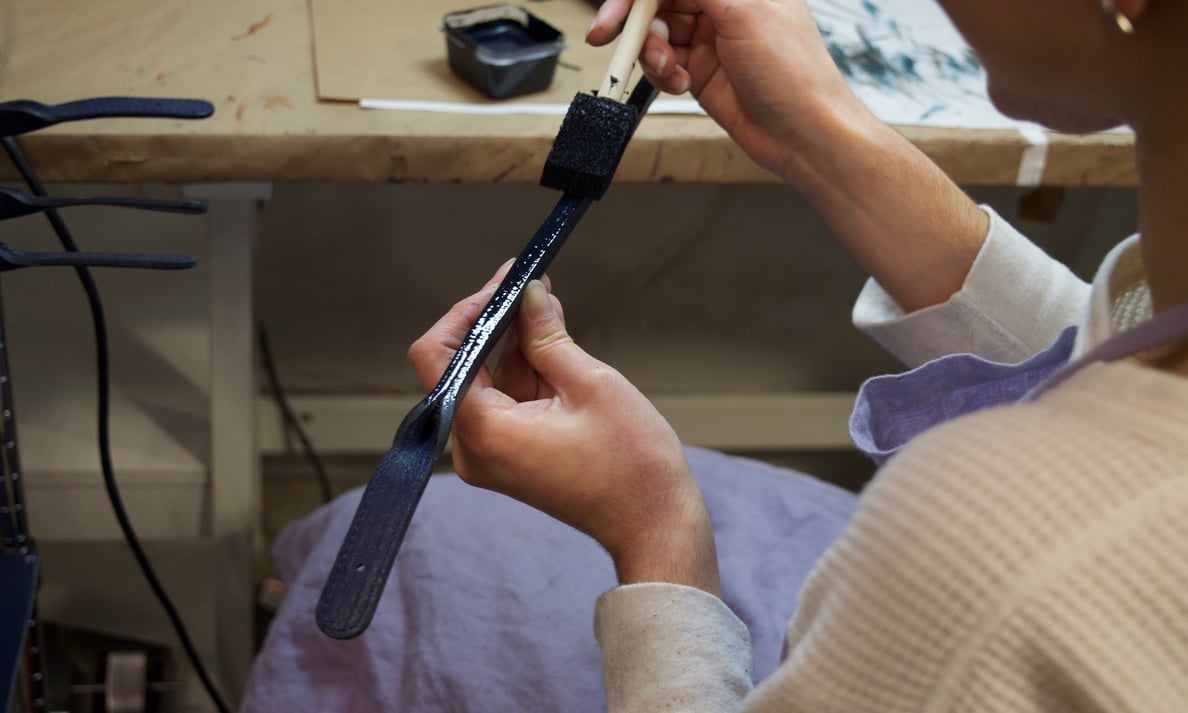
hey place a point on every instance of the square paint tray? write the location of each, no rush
(502, 50)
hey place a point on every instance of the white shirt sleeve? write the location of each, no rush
(668, 647)
(1015, 301)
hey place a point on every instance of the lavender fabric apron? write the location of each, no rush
(891, 410)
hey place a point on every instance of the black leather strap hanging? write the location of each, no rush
(22, 115)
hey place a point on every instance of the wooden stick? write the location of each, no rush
(635, 31)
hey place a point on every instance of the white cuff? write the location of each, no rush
(1014, 302)
(668, 647)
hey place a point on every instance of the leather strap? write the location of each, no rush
(360, 571)
(22, 115)
(13, 259)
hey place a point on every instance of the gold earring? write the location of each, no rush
(1119, 19)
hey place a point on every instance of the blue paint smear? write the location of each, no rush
(841, 57)
(933, 110)
(951, 67)
(870, 59)
(867, 62)
(870, 8)
(908, 65)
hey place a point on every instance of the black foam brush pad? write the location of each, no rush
(589, 146)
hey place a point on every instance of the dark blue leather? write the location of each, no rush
(22, 115)
(18, 572)
(13, 259)
(15, 203)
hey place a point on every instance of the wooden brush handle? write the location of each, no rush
(631, 40)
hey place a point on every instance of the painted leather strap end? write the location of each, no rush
(356, 581)
(21, 116)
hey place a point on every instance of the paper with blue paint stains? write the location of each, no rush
(907, 62)
(902, 57)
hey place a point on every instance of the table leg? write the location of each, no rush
(234, 516)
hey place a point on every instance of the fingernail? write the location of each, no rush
(597, 19)
(656, 60)
(659, 28)
(537, 304)
(683, 86)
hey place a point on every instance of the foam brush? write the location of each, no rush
(596, 129)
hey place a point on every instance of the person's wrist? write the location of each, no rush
(678, 548)
(828, 131)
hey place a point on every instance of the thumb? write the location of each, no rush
(547, 347)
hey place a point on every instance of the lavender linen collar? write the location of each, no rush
(891, 410)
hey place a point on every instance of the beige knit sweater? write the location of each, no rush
(1023, 558)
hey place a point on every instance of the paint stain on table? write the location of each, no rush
(254, 27)
(276, 102)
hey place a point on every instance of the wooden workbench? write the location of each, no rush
(254, 60)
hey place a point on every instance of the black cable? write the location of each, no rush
(104, 379)
(292, 423)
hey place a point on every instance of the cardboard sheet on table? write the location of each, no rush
(395, 49)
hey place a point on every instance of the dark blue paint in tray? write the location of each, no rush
(502, 50)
